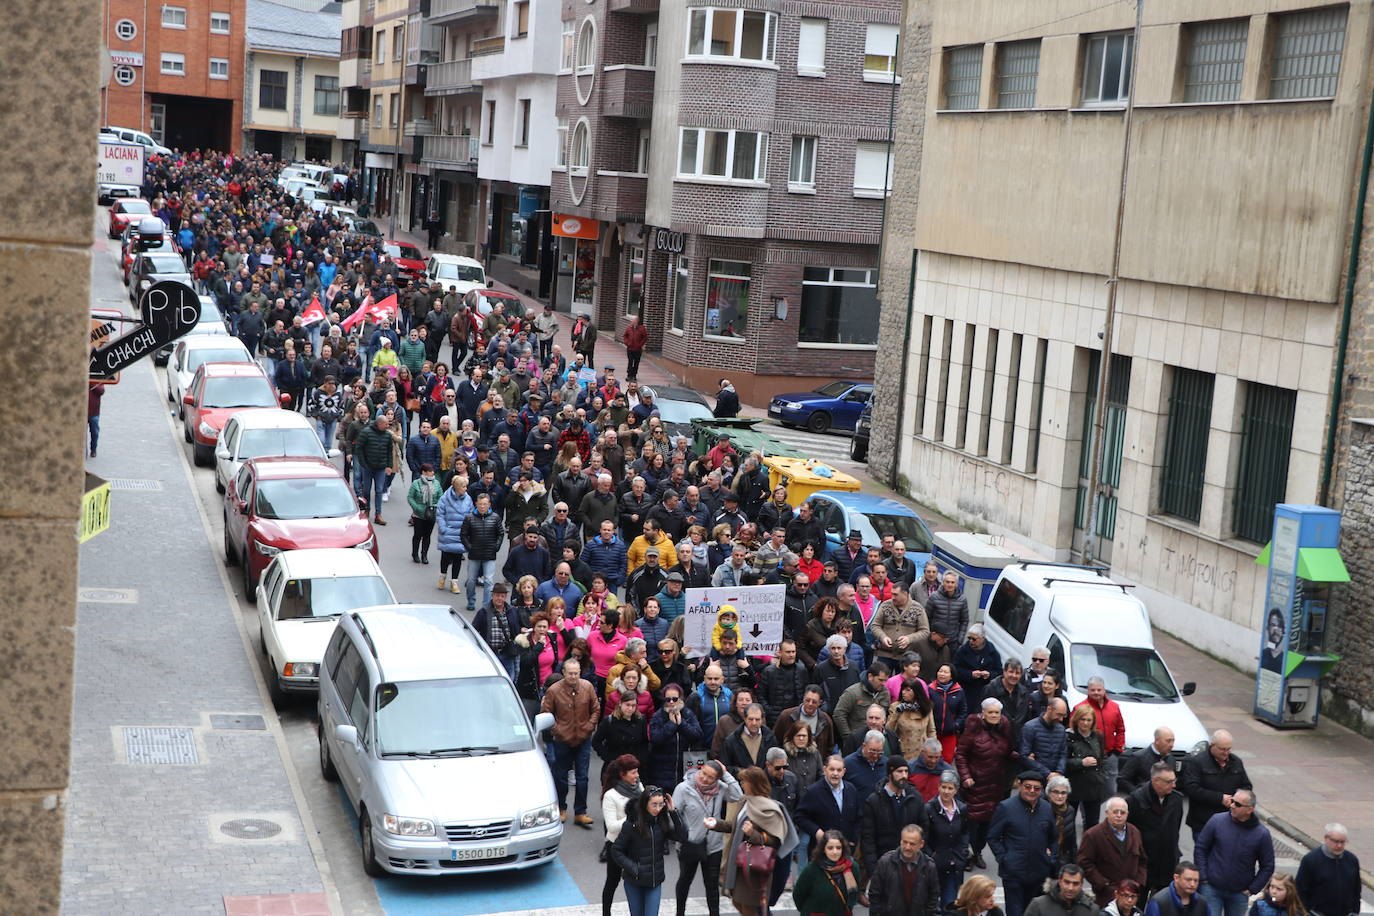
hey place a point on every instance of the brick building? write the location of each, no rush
(724, 172)
(178, 71)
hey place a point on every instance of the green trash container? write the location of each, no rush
(743, 433)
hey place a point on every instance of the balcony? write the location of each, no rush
(492, 45)
(450, 77)
(627, 92)
(451, 152)
(449, 12)
(638, 7)
(420, 127)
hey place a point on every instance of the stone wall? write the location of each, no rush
(1352, 684)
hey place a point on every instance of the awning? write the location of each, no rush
(1315, 564)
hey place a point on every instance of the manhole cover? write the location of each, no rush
(241, 723)
(107, 595)
(160, 745)
(250, 828)
(130, 483)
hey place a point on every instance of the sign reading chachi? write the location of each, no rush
(169, 310)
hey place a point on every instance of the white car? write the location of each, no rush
(347, 215)
(305, 188)
(322, 174)
(193, 351)
(211, 324)
(300, 595)
(265, 432)
(451, 270)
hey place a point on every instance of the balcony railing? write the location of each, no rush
(459, 151)
(420, 127)
(493, 45)
(450, 77)
(447, 12)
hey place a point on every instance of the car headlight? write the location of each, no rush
(266, 550)
(792, 405)
(407, 826)
(367, 544)
(301, 669)
(208, 431)
(539, 817)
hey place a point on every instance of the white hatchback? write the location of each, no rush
(193, 351)
(264, 432)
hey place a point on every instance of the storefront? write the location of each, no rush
(378, 177)
(578, 239)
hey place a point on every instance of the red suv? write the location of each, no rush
(276, 504)
(218, 391)
(125, 212)
(410, 263)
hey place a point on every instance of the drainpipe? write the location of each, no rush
(1347, 303)
(893, 474)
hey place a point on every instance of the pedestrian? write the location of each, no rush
(1044, 743)
(634, 339)
(827, 886)
(94, 395)
(1125, 898)
(453, 509)
(832, 803)
(981, 757)
(620, 786)
(1210, 779)
(904, 882)
(642, 847)
(584, 338)
(1065, 813)
(977, 898)
(1066, 896)
(326, 408)
(947, 830)
(760, 832)
(727, 400)
(1235, 857)
(701, 798)
(1086, 763)
(886, 812)
(623, 731)
(1179, 897)
(372, 458)
(673, 730)
(1328, 880)
(948, 706)
(976, 664)
(575, 708)
(1135, 767)
(482, 541)
(1280, 898)
(1024, 842)
(423, 497)
(1156, 809)
(1112, 852)
(498, 623)
(1112, 726)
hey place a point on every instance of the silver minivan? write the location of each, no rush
(420, 724)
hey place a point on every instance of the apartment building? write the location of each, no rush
(721, 172)
(1247, 124)
(379, 86)
(291, 94)
(178, 70)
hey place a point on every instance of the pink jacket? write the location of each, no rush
(603, 650)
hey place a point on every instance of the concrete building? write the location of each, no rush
(291, 97)
(177, 71)
(722, 172)
(1247, 122)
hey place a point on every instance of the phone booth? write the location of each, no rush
(1303, 562)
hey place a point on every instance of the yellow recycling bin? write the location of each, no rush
(804, 476)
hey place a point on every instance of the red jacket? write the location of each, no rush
(635, 337)
(1109, 723)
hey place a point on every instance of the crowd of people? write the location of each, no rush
(885, 745)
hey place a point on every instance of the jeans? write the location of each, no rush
(949, 887)
(367, 364)
(1224, 903)
(579, 757)
(326, 430)
(512, 666)
(780, 872)
(1019, 893)
(369, 481)
(460, 353)
(692, 855)
(269, 366)
(643, 900)
(484, 570)
(632, 358)
(93, 427)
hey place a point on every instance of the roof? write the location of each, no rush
(201, 343)
(417, 642)
(672, 393)
(277, 468)
(867, 503)
(319, 562)
(270, 418)
(454, 259)
(291, 30)
(229, 370)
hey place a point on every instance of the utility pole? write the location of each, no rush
(399, 181)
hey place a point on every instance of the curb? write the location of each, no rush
(1304, 839)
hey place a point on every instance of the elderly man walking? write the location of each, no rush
(1329, 876)
(1235, 855)
(1112, 851)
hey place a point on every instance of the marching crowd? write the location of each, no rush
(885, 745)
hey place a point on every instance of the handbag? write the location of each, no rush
(755, 859)
(412, 404)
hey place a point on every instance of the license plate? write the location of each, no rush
(469, 853)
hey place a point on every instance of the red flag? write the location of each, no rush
(384, 309)
(357, 317)
(313, 312)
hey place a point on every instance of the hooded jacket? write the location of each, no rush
(449, 516)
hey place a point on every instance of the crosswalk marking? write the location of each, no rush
(828, 447)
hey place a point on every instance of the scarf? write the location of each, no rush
(629, 791)
(708, 794)
(841, 877)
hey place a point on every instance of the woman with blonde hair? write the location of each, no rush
(524, 601)
(976, 897)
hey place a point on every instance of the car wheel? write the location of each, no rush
(219, 484)
(250, 588)
(326, 765)
(818, 422)
(371, 866)
(858, 451)
(170, 399)
(201, 455)
(230, 557)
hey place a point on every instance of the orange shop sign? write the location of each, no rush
(574, 227)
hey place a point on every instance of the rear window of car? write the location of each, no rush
(135, 206)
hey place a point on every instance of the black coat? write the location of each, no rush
(735, 754)
(641, 857)
(1159, 826)
(482, 536)
(781, 688)
(885, 889)
(947, 841)
(1136, 766)
(1205, 782)
(817, 810)
(615, 736)
(882, 819)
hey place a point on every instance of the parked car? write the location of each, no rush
(835, 405)
(216, 393)
(677, 408)
(265, 432)
(154, 267)
(872, 516)
(276, 504)
(150, 146)
(451, 270)
(138, 238)
(300, 596)
(190, 353)
(397, 729)
(1093, 625)
(366, 230)
(410, 263)
(858, 446)
(125, 211)
(347, 215)
(211, 324)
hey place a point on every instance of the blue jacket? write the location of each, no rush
(673, 608)
(817, 810)
(1049, 744)
(654, 633)
(422, 450)
(522, 561)
(1025, 842)
(862, 775)
(449, 516)
(607, 558)
(571, 594)
(709, 709)
(291, 375)
(1235, 856)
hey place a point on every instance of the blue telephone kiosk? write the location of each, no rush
(1303, 562)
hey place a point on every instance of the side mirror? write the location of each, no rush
(543, 722)
(188, 401)
(1189, 688)
(222, 453)
(333, 453)
(347, 734)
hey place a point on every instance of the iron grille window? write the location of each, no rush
(1114, 430)
(1265, 439)
(963, 73)
(1185, 449)
(1216, 60)
(1018, 70)
(1307, 54)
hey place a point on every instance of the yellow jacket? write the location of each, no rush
(667, 553)
(448, 445)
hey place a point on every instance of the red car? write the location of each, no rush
(276, 504)
(218, 391)
(129, 247)
(409, 262)
(126, 211)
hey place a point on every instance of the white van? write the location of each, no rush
(452, 270)
(1092, 626)
(137, 136)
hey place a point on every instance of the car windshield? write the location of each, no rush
(308, 497)
(1128, 673)
(167, 264)
(680, 411)
(330, 596)
(289, 442)
(834, 389)
(874, 526)
(436, 718)
(135, 206)
(465, 272)
(403, 251)
(366, 227)
(244, 391)
(196, 358)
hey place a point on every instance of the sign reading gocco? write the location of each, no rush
(760, 609)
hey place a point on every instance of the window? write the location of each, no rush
(811, 47)
(569, 42)
(1307, 55)
(839, 305)
(872, 169)
(1216, 60)
(174, 17)
(1011, 609)
(634, 281)
(491, 122)
(963, 76)
(1107, 69)
(125, 76)
(522, 19)
(678, 290)
(802, 172)
(398, 40)
(734, 154)
(377, 111)
(727, 299)
(126, 29)
(738, 34)
(581, 148)
(219, 68)
(880, 52)
(586, 46)
(561, 154)
(393, 108)
(174, 64)
(651, 44)
(157, 121)
(1018, 70)
(326, 95)
(379, 55)
(1265, 439)
(522, 126)
(272, 89)
(219, 23)
(1185, 448)
(642, 160)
